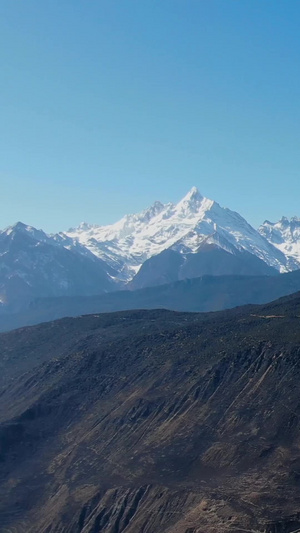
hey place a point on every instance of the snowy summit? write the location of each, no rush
(184, 226)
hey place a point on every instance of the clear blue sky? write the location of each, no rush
(109, 105)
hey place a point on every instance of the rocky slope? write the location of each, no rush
(151, 422)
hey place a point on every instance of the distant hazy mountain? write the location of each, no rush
(32, 265)
(209, 293)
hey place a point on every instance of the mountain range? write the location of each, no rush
(164, 244)
(185, 228)
(145, 419)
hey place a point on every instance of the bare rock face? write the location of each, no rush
(153, 422)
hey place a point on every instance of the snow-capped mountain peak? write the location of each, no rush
(285, 236)
(128, 243)
(193, 204)
(152, 211)
(20, 229)
(193, 196)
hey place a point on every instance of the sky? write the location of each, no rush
(107, 106)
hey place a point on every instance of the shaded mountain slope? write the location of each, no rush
(153, 421)
(170, 266)
(208, 293)
(32, 265)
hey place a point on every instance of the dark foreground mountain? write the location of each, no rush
(208, 293)
(153, 422)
